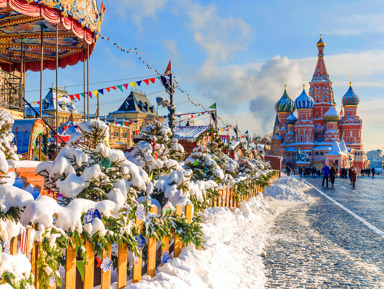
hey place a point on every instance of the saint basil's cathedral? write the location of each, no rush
(318, 131)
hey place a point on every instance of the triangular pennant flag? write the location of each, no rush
(146, 81)
(114, 87)
(120, 87)
(126, 85)
(138, 82)
(108, 88)
(213, 106)
(72, 97)
(80, 267)
(133, 84)
(82, 94)
(78, 96)
(90, 94)
(168, 69)
(95, 92)
(152, 80)
(38, 102)
(101, 91)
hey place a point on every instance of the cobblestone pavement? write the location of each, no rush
(317, 244)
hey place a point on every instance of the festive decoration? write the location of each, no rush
(140, 212)
(106, 265)
(91, 215)
(140, 242)
(165, 258)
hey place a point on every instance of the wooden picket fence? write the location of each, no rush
(94, 276)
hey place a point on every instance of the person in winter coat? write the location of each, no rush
(373, 172)
(325, 170)
(332, 175)
(353, 177)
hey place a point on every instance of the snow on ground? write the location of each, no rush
(234, 244)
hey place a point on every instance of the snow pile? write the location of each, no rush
(287, 188)
(19, 266)
(232, 258)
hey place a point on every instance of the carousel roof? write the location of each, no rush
(21, 22)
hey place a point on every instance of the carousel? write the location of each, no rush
(44, 34)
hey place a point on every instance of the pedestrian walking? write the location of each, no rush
(288, 171)
(332, 175)
(373, 172)
(350, 175)
(353, 177)
(325, 170)
(301, 172)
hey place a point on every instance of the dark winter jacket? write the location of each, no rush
(354, 175)
(333, 173)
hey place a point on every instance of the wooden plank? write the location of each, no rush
(178, 244)
(151, 261)
(34, 257)
(136, 273)
(28, 245)
(13, 248)
(188, 213)
(106, 276)
(122, 263)
(228, 197)
(165, 245)
(89, 273)
(70, 268)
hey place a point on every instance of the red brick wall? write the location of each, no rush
(276, 162)
(29, 177)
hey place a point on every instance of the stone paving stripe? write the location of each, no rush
(372, 227)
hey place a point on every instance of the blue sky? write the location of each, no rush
(237, 53)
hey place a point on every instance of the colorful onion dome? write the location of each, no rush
(350, 98)
(285, 104)
(291, 119)
(331, 115)
(304, 101)
(321, 43)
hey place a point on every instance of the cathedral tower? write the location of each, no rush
(322, 93)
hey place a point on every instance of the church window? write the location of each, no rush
(321, 153)
(301, 138)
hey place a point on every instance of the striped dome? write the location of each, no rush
(304, 101)
(350, 98)
(285, 104)
(291, 119)
(331, 115)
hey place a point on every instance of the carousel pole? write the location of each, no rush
(87, 81)
(41, 70)
(57, 92)
(85, 105)
(22, 78)
(41, 82)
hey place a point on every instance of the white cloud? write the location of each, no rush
(358, 25)
(139, 9)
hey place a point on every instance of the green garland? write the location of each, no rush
(10, 278)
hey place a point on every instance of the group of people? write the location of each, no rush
(368, 172)
(330, 174)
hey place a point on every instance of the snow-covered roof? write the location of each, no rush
(234, 144)
(335, 150)
(343, 147)
(136, 101)
(190, 132)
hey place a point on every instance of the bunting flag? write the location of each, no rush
(135, 51)
(119, 87)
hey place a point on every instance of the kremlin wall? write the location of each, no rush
(319, 132)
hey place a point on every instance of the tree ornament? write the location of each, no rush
(105, 163)
(140, 212)
(106, 265)
(165, 258)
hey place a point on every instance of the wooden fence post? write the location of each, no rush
(136, 273)
(89, 268)
(106, 276)
(122, 263)
(13, 246)
(178, 245)
(151, 261)
(228, 193)
(188, 213)
(70, 268)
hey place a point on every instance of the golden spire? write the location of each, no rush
(285, 82)
(350, 79)
(304, 83)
